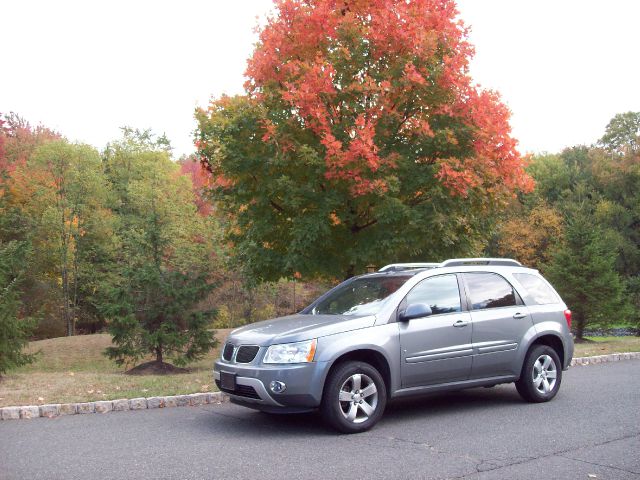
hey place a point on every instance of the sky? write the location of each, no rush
(86, 68)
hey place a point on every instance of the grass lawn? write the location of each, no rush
(73, 369)
(605, 345)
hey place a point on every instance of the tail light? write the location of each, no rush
(567, 315)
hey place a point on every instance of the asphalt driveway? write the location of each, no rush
(591, 430)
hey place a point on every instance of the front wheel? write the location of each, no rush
(354, 397)
(541, 375)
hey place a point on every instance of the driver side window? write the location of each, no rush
(440, 293)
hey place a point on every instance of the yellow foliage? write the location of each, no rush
(530, 239)
(223, 318)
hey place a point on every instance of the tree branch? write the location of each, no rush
(276, 206)
(358, 228)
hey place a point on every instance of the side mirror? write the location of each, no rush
(415, 310)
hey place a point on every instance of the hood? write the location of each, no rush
(296, 328)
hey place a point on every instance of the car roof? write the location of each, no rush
(497, 265)
(453, 262)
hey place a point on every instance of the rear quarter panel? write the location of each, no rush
(548, 319)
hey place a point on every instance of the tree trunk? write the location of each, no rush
(66, 315)
(74, 304)
(580, 324)
(159, 354)
(350, 272)
(294, 295)
(59, 172)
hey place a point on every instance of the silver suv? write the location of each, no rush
(409, 329)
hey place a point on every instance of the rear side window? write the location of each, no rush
(440, 293)
(538, 289)
(488, 290)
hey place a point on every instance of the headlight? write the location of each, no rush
(299, 352)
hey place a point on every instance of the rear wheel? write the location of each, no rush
(541, 375)
(354, 397)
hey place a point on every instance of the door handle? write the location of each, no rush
(519, 315)
(461, 323)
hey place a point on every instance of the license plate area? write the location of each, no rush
(228, 381)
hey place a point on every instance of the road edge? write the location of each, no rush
(193, 399)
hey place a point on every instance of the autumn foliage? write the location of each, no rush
(363, 74)
(19, 139)
(370, 106)
(531, 237)
(200, 179)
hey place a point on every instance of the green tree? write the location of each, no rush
(623, 133)
(361, 139)
(14, 329)
(62, 194)
(165, 261)
(605, 180)
(583, 270)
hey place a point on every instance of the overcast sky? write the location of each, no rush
(85, 68)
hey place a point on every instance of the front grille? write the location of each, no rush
(227, 353)
(241, 391)
(246, 353)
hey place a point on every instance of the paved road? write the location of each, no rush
(591, 428)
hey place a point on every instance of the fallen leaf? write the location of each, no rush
(205, 387)
(71, 374)
(40, 399)
(117, 388)
(89, 391)
(98, 391)
(145, 390)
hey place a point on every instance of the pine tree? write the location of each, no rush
(583, 270)
(14, 331)
(151, 310)
(166, 266)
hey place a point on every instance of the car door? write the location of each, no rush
(500, 320)
(436, 348)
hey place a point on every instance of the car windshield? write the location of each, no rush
(360, 297)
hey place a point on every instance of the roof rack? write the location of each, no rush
(398, 267)
(458, 262)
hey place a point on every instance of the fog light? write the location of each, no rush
(277, 386)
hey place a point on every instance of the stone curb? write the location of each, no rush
(193, 399)
(613, 357)
(104, 406)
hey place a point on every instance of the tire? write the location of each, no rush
(541, 375)
(354, 397)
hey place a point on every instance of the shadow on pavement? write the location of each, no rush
(453, 402)
(237, 421)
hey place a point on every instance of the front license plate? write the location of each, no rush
(228, 380)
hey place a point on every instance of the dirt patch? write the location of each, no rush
(156, 368)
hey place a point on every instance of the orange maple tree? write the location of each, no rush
(378, 91)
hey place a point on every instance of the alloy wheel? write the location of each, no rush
(544, 374)
(358, 398)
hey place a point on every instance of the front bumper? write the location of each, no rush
(304, 383)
